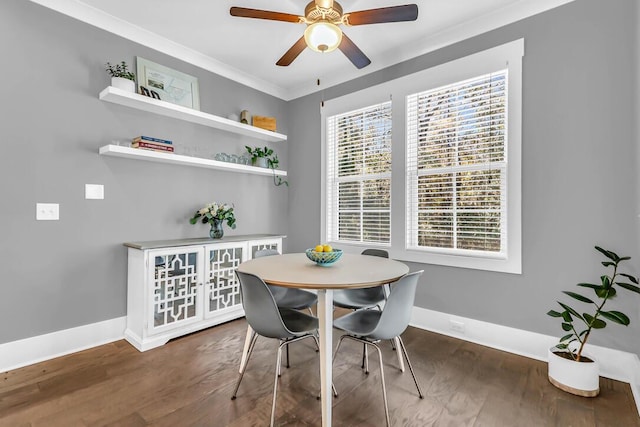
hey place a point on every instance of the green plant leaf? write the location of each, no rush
(562, 346)
(630, 277)
(629, 287)
(553, 313)
(608, 263)
(566, 337)
(566, 326)
(593, 322)
(616, 316)
(571, 310)
(578, 297)
(583, 332)
(566, 316)
(606, 281)
(602, 293)
(609, 254)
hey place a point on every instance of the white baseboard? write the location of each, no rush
(614, 364)
(16, 354)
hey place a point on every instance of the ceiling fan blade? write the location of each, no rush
(243, 12)
(353, 52)
(292, 53)
(407, 12)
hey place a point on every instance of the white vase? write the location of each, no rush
(124, 84)
(261, 162)
(579, 378)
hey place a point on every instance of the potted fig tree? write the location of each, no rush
(121, 77)
(570, 369)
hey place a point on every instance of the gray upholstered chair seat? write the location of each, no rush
(355, 299)
(298, 323)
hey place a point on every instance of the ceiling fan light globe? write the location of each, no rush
(323, 36)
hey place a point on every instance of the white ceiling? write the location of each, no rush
(203, 33)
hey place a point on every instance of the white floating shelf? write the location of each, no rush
(145, 103)
(178, 159)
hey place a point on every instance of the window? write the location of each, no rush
(359, 175)
(456, 167)
(452, 195)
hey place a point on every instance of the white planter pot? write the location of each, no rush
(124, 84)
(579, 378)
(261, 162)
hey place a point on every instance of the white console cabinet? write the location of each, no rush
(175, 287)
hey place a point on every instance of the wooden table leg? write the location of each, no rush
(325, 329)
(245, 350)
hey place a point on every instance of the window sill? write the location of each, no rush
(511, 265)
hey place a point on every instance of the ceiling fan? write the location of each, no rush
(323, 33)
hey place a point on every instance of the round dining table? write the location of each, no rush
(351, 271)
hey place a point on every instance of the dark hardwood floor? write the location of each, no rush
(189, 382)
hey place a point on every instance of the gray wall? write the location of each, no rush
(579, 169)
(60, 274)
(579, 179)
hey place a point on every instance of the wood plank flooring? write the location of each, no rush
(189, 382)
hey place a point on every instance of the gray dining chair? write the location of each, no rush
(364, 299)
(372, 326)
(291, 298)
(295, 299)
(270, 321)
(356, 299)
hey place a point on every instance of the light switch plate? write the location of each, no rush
(94, 191)
(47, 211)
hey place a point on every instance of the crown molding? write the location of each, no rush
(92, 16)
(479, 25)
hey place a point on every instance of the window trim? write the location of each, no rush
(509, 56)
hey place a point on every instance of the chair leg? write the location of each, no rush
(366, 360)
(245, 349)
(396, 348)
(384, 388)
(246, 362)
(333, 387)
(275, 383)
(288, 357)
(406, 356)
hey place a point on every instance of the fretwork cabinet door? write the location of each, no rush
(175, 288)
(221, 286)
(258, 245)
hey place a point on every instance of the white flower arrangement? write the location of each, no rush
(215, 211)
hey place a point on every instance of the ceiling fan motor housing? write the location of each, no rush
(314, 13)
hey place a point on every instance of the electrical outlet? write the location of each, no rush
(47, 211)
(456, 326)
(94, 191)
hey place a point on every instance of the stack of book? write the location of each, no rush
(151, 143)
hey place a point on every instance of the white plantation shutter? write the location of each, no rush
(457, 167)
(359, 175)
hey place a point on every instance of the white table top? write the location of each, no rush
(350, 271)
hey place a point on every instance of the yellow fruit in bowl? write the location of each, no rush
(319, 248)
(327, 248)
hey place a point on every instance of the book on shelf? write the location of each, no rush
(151, 139)
(152, 146)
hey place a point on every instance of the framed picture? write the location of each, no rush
(167, 84)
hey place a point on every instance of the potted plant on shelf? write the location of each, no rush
(266, 158)
(214, 214)
(121, 77)
(569, 368)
